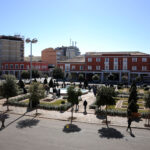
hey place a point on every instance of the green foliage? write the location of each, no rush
(133, 93)
(105, 96)
(36, 73)
(58, 73)
(51, 84)
(72, 95)
(9, 87)
(25, 75)
(95, 77)
(45, 81)
(147, 100)
(21, 84)
(81, 77)
(36, 93)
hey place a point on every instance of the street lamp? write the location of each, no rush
(31, 41)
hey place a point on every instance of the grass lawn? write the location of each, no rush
(56, 103)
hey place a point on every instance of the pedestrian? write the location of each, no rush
(3, 121)
(85, 104)
(129, 123)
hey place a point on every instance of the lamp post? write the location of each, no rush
(31, 41)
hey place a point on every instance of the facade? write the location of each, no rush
(128, 65)
(11, 49)
(49, 56)
(15, 68)
(65, 52)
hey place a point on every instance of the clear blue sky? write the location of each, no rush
(96, 25)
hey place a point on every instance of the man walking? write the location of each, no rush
(85, 104)
(129, 124)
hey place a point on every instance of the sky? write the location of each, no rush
(96, 25)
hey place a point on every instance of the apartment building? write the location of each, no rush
(11, 48)
(15, 68)
(119, 64)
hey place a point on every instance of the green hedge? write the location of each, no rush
(16, 102)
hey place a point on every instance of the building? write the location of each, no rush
(15, 68)
(11, 49)
(34, 58)
(119, 64)
(65, 52)
(49, 56)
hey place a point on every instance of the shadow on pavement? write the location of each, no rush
(27, 123)
(110, 133)
(102, 117)
(68, 128)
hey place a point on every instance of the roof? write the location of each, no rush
(131, 53)
(16, 38)
(78, 59)
(34, 58)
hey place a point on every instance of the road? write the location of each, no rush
(33, 133)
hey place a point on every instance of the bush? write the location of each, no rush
(111, 112)
(62, 102)
(146, 88)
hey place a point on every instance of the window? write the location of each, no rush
(81, 67)
(134, 68)
(98, 67)
(124, 67)
(73, 67)
(6, 66)
(106, 67)
(115, 67)
(89, 67)
(98, 59)
(144, 59)
(89, 59)
(16, 66)
(22, 66)
(115, 60)
(107, 60)
(124, 60)
(61, 67)
(144, 68)
(11, 66)
(134, 59)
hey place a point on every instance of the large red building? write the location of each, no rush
(120, 64)
(15, 68)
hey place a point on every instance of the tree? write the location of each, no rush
(21, 84)
(132, 100)
(36, 73)
(95, 77)
(85, 83)
(81, 77)
(9, 88)
(147, 105)
(45, 81)
(25, 75)
(105, 96)
(36, 93)
(51, 84)
(72, 97)
(58, 73)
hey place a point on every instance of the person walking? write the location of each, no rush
(85, 104)
(129, 123)
(2, 118)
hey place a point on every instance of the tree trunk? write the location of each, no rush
(71, 114)
(7, 105)
(106, 117)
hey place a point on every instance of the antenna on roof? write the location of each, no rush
(75, 43)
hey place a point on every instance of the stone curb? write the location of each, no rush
(115, 125)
